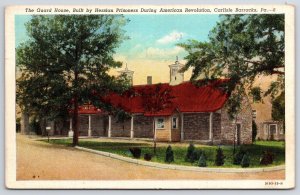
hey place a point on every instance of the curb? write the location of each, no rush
(181, 167)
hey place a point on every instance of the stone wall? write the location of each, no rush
(142, 126)
(83, 125)
(99, 125)
(196, 126)
(120, 129)
(228, 127)
(216, 126)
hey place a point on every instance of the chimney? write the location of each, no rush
(149, 80)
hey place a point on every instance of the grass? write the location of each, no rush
(122, 148)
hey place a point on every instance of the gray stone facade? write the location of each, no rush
(120, 129)
(243, 120)
(196, 126)
(217, 126)
(214, 127)
(99, 125)
(143, 126)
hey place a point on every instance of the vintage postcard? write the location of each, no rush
(150, 97)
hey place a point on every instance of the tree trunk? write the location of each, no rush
(75, 114)
(234, 136)
(75, 122)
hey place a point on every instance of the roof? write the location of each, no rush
(164, 99)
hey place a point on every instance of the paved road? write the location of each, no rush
(42, 161)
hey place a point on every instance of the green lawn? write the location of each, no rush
(122, 148)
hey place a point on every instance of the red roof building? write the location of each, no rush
(185, 97)
(174, 111)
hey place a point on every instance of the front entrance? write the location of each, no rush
(238, 133)
(272, 131)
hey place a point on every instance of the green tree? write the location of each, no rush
(65, 63)
(240, 48)
(278, 109)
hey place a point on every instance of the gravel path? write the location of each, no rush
(43, 161)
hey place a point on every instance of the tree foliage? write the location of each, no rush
(278, 108)
(156, 98)
(240, 48)
(65, 63)
(254, 130)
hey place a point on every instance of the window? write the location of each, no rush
(273, 128)
(254, 114)
(174, 123)
(281, 130)
(160, 123)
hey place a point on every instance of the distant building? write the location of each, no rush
(176, 77)
(267, 129)
(128, 73)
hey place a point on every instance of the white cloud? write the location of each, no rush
(158, 52)
(173, 36)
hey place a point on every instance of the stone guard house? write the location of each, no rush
(190, 114)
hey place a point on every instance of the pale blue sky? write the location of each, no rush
(153, 39)
(147, 30)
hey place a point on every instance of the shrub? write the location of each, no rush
(267, 158)
(189, 152)
(196, 155)
(147, 157)
(202, 160)
(219, 161)
(169, 155)
(136, 152)
(238, 157)
(192, 154)
(245, 161)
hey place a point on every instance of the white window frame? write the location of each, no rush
(176, 122)
(163, 123)
(266, 129)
